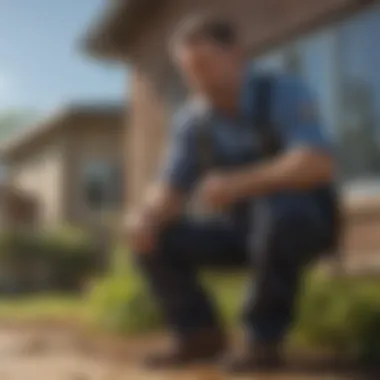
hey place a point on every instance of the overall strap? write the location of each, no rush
(270, 143)
(264, 90)
(205, 145)
(262, 122)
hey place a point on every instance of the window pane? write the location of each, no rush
(102, 181)
(341, 64)
(360, 90)
(319, 70)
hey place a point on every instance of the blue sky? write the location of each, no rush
(41, 67)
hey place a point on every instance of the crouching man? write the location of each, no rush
(267, 187)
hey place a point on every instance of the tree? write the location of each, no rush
(13, 121)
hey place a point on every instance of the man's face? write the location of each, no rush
(207, 68)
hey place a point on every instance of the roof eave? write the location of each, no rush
(11, 148)
(109, 37)
(105, 39)
(102, 48)
(15, 146)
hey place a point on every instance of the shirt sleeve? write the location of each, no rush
(303, 127)
(181, 168)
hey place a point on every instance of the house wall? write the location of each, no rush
(94, 140)
(51, 171)
(41, 176)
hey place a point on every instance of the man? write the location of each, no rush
(266, 213)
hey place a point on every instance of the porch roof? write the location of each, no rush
(110, 35)
(50, 125)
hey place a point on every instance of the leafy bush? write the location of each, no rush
(121, 303)
(342, 315)
(65, 254)
(71, 250)
(334, 314)
(229, 291)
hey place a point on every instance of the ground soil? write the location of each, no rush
(61, 352)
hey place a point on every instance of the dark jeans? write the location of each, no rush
(277, 245)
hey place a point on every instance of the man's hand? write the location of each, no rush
(141, 233)
(161, 205)
(216, 191)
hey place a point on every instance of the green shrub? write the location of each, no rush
(342, 315)
(120, 264)
(122, 304)
(323, 314)
(66, 254)
(229, 291)
(19, 245)
(69, 250)
(334, 314)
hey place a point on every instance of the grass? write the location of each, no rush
(336, 314)
(55, 307)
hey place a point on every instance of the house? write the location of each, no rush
(332, 44)
(71, 163)
(18, 209)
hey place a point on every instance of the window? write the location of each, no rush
(102, 185)
(341, 64)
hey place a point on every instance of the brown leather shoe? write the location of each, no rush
(261, 357)
(203, 346)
